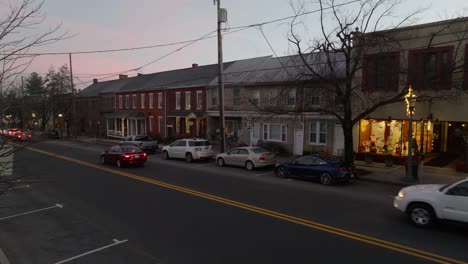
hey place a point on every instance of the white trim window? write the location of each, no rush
(151, 101)
(134, 101)
(292, 97)
(188, 105)
(199, 100)
(318, 133)
(151, 123)
(177, 100)
(273, 97)
(256, 97)
(120, 101)
(236, 96)
(275, 132)
(160, 124)
(127, 101)
(160, 101)
(142, 101)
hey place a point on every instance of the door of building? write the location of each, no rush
(338, 147)
(298, 141)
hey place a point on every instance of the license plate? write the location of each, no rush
(136, 156)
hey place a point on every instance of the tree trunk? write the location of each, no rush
(348, 141)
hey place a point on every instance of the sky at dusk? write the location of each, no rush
(115, 24)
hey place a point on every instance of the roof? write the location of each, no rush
(181, 78)
(263, 70)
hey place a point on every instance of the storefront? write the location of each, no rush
(387, 136)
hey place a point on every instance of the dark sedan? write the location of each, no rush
(124, 155)
(327, 170)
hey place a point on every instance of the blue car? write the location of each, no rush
(327, 170)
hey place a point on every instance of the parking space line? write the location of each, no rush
(32, 212)
(116, 242)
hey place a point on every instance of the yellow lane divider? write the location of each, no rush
(292, 219)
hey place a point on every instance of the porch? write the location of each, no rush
(124, 123)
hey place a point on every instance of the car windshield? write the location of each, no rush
(259, 150)
(333, 159)
(199, 143)
(447, 185)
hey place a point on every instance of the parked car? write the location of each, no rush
(427, 203)
(22, 136)
(248, 157)
(327, 170)
(124, 155)
(145, 143)
(189, 149)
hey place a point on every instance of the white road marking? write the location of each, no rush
(116, 242)
(3, 258)
(22, 186)
(31, 212)
(263, 174)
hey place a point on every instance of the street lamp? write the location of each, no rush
(410, 99)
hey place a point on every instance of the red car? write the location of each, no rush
(22, 136)
(124, 155)
(12, 131)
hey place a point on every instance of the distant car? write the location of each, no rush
(426, 203)
(327, 170)
(248, 157)
(189, 149)
(22, 136)
(145, 143)
(124, 155)
(10, 132)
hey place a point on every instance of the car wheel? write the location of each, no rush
(188, 157)
(421, 215)
(103, 161)
(249, 165)
(220, 162)
(165, 155)
(325, 178)
(119, 164)
(282, 172)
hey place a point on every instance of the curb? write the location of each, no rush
(3, 258)
(383, 182)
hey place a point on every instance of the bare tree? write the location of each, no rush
(348, 32)
(20, 32)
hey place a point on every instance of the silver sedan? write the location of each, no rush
(248, 157)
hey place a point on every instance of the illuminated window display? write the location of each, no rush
(391, 136)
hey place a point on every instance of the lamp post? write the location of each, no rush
(410, 99)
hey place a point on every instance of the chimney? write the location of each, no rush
(95, 80)
(122, 76)
(194, 65)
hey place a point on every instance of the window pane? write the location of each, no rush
(275, 132)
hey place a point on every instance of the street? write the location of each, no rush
(170, 211)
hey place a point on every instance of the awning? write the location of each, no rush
(126, 114)
(186, 113)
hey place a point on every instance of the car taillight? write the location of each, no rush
(126, 156)
(144, 154)
(262, 157)
(29, 136)
(340, 169)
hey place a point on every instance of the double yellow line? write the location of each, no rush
(314, 225)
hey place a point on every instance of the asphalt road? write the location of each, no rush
(174, 212)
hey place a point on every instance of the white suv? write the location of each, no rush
(188, 149)
(425, 203)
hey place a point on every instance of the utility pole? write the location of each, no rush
(73, 125)
(222, 17)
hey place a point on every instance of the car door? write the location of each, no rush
(312, 168)
(242, 157)
(230, 158)
(455, 202)
(114, 154)
(297, 167)
(179, 149)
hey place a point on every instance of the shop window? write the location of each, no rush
(380, 71)
(430, 69)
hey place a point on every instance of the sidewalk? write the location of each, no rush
(374, 172)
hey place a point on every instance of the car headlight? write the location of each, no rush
(402, 194)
